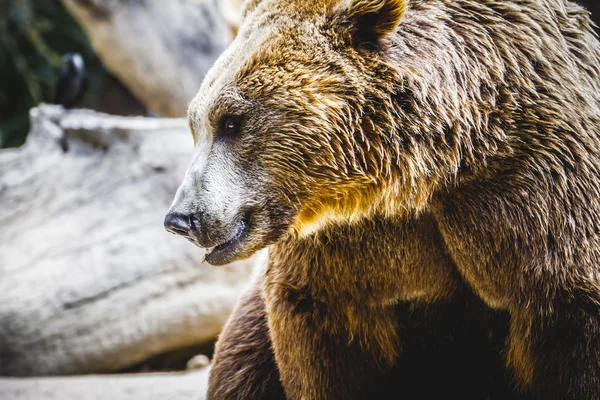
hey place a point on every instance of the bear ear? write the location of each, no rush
(373, 20)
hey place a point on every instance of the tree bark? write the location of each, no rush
(89, 279)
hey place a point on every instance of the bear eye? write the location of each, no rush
(230, 125)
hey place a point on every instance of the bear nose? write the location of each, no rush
(180, 224)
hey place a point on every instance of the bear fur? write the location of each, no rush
(426, 174)
(447, 345)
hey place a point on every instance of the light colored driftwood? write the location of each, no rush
(183, 386)
(159, 49)
(89, 279)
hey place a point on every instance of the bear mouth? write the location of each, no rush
(227, 251)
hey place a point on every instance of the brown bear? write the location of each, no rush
(426, 174)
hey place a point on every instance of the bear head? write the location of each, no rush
(313, 115)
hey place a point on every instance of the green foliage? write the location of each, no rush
(34, 34)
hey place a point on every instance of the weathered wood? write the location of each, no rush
(181, 386)
(89, 279)
(159, 49)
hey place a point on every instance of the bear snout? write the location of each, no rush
(180, 224)
(204, 231)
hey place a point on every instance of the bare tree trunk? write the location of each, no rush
(89, 279)
(159, 49)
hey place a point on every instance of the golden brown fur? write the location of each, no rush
(398, 153)
(382, 293)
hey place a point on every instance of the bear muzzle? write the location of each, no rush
(222, 241)
(179, 224)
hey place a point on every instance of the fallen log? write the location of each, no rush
(173, 386)
(89, 279)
